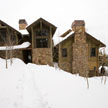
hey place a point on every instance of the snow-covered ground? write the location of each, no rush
(37, 86)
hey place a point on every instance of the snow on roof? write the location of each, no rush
(59, 39)
(23, 45)
(106, 70)
(10, 26)
(24, 32)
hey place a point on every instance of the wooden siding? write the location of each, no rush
(93, 61)
(66, 62)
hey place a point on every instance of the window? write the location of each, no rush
(64, 52)
(2, 35)
(42, 33)
(93, 52)
(38, 33)
(42, 43)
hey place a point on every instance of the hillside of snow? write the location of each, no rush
(41, 86)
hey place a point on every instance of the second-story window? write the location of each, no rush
(42, 43)
(38, 33)
(42, 33)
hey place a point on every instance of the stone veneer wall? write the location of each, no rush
(42, 56)
(80, 59)
(80, 53)
(16, 54)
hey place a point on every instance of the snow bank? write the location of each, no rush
(63, 90)
(17, 89)
(23, 45)
(106, 70)
(41, 86)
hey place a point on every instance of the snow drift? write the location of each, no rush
(37, 86)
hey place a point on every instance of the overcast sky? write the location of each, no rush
(61, 13)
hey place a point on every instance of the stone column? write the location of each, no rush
(80, 50)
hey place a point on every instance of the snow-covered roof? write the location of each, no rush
(23, 45)
(7, 24)
(24, 32)
(89, 37)
(60, 39)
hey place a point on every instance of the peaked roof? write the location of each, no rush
(88, 36)
(66, 33)
(44, 21)
(2, 22)
(93, 39)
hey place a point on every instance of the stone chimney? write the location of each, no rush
(78, 26)
(80, 49)
(22, 24)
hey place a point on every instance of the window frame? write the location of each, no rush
(40, 33)
(64, 52)
(93, 52)
(39, 44)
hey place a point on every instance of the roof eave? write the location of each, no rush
(54, 27)
(100, 43)
(10, 27)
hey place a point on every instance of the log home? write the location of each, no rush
(41, 33)
(9, 37)
(79, 52)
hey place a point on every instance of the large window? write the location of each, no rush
(42, 33)
(42, 43)
(64, 52)
(93, 52)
